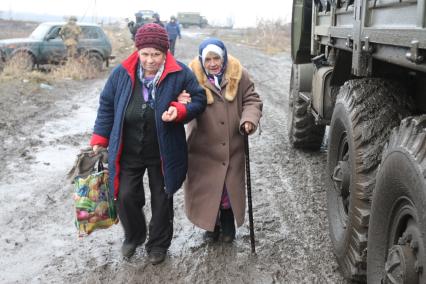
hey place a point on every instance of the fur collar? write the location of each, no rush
(232, 75)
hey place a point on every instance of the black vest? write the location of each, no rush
(140, 143)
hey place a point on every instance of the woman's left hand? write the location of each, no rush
(170, 114)
(184, 97)
(247, 127)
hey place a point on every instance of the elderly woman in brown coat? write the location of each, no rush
(215, 184)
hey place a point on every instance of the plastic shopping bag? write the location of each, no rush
(94, 204)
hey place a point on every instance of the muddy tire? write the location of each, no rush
(302, 131)
(365, 112)
(22, 61)
(96, 61)
(397, 232)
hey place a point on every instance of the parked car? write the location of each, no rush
(45, 46)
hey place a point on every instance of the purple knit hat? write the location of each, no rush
(152, 35)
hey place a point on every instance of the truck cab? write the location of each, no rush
(187, 19)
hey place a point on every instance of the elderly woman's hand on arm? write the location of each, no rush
(184, 97)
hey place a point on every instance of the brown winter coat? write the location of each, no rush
(216, 145)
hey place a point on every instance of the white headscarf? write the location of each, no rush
(217, 50)
(211, 48)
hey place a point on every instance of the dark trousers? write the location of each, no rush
(131, 200)
(172, 43)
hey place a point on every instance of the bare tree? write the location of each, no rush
(230, 22)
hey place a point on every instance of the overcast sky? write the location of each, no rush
(243, 12)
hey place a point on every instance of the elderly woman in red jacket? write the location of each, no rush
(141, 123)
(214, 188)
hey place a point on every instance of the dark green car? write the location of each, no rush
(45, 46)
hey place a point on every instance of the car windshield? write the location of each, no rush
(40, 32)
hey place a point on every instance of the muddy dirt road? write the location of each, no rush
(42, 130)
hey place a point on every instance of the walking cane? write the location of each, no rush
(250, 206)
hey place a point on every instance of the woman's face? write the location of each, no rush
(151, 60)
(213, 63)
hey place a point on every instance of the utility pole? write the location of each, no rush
(94, 19)
(10, 11)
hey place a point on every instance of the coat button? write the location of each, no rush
(223, 144)
(222, 122)
(224, 163)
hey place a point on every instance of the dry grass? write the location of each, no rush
(76, 69)
(19, 68)
(269, 36)
(122, 44)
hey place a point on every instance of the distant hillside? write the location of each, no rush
(7, 15)
(29, 17)
(15, 29)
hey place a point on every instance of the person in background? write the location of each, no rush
(133, 27)
(141, 123)
(173, 31)
(70, 33)
(157, 20)
(214, 188)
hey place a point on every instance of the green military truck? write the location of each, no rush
(187, 19)
(359, 67)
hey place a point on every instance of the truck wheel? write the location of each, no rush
(397, 231)
(365, 112)
(302, 130)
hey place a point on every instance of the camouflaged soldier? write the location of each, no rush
(133, 27)
(69, 34)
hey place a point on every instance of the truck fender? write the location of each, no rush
(22, 50)
(89, 52)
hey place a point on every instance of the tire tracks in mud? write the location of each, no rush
(298, 198)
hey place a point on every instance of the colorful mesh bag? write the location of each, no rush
(94, 204)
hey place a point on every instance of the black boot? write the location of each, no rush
(211, 237)
(131, 242)
(228, 225)
(156, 256)
(129, 247)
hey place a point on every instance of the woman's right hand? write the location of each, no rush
(184, 97)
(96, 148)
